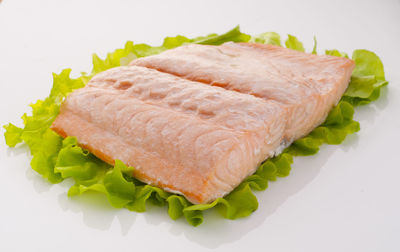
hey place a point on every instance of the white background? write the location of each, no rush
(346, 198)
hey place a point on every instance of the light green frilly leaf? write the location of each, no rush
(293, 43)
(367, 80)
(271, 38)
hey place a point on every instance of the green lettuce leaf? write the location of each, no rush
(79, 164)
(57, 159)
(367, 79)
(293, 43)
(45, 157)
(241, 202)
(271, 38)
(269, 170)
(234, 35)
(12, 134)
(63, 85)
(314, 50)
(336, 53)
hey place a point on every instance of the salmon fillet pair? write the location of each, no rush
(198, 119)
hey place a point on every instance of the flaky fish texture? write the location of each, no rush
(198, 119)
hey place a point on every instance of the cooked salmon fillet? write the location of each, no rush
(198, 119)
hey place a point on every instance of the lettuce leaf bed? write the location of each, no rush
(57, 159)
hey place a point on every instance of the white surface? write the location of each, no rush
(344, 199)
